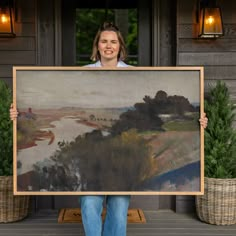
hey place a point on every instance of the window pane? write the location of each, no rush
(88, 22)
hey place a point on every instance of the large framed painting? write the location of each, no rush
(116, 131)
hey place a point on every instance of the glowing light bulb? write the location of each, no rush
(210, 20)
(4, 18)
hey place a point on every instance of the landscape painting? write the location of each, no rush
(128, 130)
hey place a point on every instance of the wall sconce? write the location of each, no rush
(6, 18)
(209, 19)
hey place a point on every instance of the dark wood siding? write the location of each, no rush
(45, 33)
(165, 29)
(217, 56)
(20, 50)
(144, 33)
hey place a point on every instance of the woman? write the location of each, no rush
(108, 51)
(108, 47)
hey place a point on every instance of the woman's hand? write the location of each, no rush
(203, 120)
(13, 113)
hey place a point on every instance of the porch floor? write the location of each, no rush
(159, 223)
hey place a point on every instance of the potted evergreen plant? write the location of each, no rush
(217, 205)
(12, 208)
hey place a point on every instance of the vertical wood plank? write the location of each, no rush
(58, 33)
(68, 33)
(144, 33)
(168, 33)
(45, 34)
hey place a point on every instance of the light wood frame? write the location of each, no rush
(29, 84)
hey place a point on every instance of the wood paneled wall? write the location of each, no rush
(20, 50)
(218, 56)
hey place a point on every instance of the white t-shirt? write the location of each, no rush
(98, 64)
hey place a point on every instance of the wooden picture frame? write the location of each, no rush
(131, 130)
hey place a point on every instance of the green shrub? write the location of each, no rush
(220, 137)
(6, 140)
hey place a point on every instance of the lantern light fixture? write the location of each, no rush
(209, 19)
(6, 19)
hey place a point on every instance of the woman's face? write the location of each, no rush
(108, 45)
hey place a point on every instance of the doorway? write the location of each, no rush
(80, 23)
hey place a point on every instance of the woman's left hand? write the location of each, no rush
(203, 120)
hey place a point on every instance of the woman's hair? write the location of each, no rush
(108, 26)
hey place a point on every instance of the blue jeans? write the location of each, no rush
(115, 223)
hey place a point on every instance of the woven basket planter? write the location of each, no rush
(12, 208)
(218, 204)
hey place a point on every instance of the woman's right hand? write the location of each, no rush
(13, 113)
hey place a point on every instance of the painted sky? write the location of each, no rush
(100, 89)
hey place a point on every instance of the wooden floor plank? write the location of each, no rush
(159, 223)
